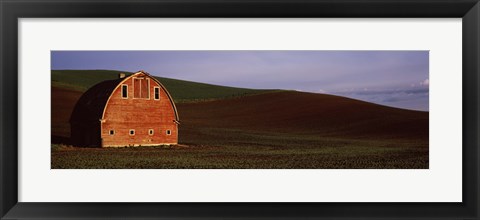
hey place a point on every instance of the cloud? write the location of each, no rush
(406, 91)
(425, 82)
(413, 98)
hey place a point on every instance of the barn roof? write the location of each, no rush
(90, 107)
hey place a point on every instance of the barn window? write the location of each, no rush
(112, 132)
(157, 93)
(169, 132)
(125, 91)
(150, 132)
(141, 88)
(132, 131)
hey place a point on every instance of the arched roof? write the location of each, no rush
(91, 105)
(168, 95)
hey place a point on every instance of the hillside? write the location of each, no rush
(181, 90)
(306, 113)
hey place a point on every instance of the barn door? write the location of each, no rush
(141, 88)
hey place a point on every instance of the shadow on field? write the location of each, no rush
(61, 140)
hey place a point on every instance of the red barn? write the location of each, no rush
(130, 111)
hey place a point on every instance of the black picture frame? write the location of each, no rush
(12, 10)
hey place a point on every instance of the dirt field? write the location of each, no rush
(63, 102)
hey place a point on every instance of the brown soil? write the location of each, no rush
(63, 102)
(306, 113)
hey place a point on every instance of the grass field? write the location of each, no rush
(277, 153)
(181, 90)
(242, 129)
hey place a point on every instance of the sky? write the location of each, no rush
(393, 78)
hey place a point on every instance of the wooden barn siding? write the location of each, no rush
(122, 115)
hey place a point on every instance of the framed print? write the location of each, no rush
(224, 109)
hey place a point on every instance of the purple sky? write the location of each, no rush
(393, 78)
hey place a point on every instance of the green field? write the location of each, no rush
(214, 148)
(258, 129)
(181, 90)
(245, 152)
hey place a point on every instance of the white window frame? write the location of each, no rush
(151, 132)
(130, 132)
(155, 88)
(121, 92)
(110, 132)
(168, 132)
(133, 86)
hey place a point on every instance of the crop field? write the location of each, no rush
(276, 153)
(237, 128)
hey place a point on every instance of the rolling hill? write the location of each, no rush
(181, 90)
(306, 113)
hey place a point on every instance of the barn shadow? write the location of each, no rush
(61, 140)
(55, 139)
